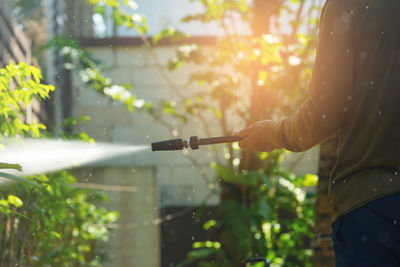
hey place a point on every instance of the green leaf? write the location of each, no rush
(16, 201)
(18, 179)
(170, 34)
(169, 108)
(55, 235)
(209, 224)
(201, 253)
(112, 3)
(100, 10)
(10, 166)
(229, 176)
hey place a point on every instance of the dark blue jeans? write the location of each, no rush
(369, 235)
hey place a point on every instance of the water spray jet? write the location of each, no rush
(47, 155)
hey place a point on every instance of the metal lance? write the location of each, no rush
(193, 142)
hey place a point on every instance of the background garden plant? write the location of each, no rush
(44, 220)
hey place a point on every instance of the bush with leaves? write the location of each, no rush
(44, 220)
(274, 219)
(57, 225)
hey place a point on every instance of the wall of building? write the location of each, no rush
(132, 193)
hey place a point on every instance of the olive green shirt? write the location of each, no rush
(354, 94)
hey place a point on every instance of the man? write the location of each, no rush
(355, 94)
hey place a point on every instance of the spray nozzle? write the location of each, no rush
(193, 142)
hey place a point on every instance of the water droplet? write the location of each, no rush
(324, 116)
(345, 109)
(363, 55)
(348, 51)
(395, 222)
(379, 112)
(344, 181)
(366, 7)
(372, 82)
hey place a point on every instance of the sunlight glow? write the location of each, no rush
(294, 61)
(271, 39)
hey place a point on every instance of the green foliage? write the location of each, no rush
(57, 224)
(19, 85)
(218, 10)
(11, 176)
(68, 126)
(120, 16)
(45, 221)
(275, 219)
(170, 34)
(10, 166)
(16, 178)
(90, 71)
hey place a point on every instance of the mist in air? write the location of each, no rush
(38, 156)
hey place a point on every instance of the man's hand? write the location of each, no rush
(260, 136)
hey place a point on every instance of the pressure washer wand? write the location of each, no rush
(193, 142)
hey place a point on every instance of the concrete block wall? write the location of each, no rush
(134, 237)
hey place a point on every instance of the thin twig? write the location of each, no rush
(160, 67)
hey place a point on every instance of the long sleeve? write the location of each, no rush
(331, 87)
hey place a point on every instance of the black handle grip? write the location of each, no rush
(173, 144)
(218, 140)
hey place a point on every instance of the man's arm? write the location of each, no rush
(331, 90)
